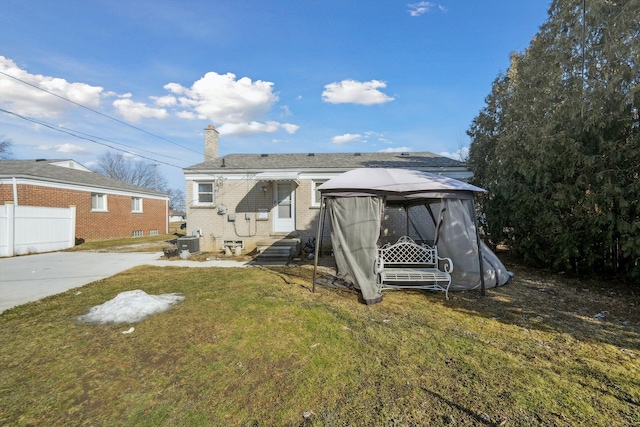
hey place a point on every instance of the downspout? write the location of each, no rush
(166, 216)
(318, 241)
(15, 192)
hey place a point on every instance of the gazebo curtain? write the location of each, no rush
(355, 230)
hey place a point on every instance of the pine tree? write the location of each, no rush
(558, 143)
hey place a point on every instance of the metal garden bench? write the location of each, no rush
(405, 264)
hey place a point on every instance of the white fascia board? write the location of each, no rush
(457, 173)
(319, 176)
(277, 175)
(78, 187)
(213, 177)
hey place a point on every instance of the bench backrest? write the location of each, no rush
(408, 253)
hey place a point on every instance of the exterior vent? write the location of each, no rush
(233, 243)
(311, 154)
(357, 154)
(264, 155)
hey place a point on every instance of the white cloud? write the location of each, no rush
(290, 128)
(63, 148)
(186, 115)
(131, 156)
(174, 87)
(354, 92)
(238, 106)
(346, 138)
(28, 100)
(252, 128)
(165, 101)
(70, 149)
(223, 99)
(134, 111)
(420, 8)
(461, 154)
(396, 150)
(235, 105)
(285, 111)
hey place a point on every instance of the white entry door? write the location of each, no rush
(284, 206)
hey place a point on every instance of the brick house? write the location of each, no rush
(250, 200)
(106, 208)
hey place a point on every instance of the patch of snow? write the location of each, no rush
(130, 307)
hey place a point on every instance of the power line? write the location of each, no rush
(119, 143)
(100, 113)
(71, 133)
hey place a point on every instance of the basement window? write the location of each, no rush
(137, 233)
(153, 232)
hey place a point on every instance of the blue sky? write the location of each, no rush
(273, 76)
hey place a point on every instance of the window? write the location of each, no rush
(315, 193)
(137, 233)
(136, 204)
(205, 193)
(153, 232)
(98, 202)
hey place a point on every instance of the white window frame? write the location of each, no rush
(315, 201)
(136, 204)
(197, 193)
(98, 202)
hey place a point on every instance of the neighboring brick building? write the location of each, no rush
(253, 198)
(105, 208)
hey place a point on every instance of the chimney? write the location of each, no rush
(210, 143)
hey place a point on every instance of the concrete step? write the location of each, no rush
(278, 242)
(277, 251)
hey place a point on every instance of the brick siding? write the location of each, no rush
(117, 222)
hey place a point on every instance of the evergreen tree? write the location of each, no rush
(558, 146)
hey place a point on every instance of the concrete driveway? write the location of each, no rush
(32, 277)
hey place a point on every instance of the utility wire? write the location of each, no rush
(119, 143)
(71, 133)
(98, 112)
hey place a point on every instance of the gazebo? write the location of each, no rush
(365, 206)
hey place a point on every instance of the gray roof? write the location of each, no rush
(43, 170)
(328, 162)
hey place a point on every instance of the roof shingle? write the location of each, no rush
(327, 161)
(44, 170)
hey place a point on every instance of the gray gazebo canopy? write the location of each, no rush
(355, 202)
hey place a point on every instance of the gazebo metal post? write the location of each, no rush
(480, 258)
(323, 202)
(406, 214)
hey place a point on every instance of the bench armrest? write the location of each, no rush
(447, 264)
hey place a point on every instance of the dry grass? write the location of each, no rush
(130, 244)
(255, 347)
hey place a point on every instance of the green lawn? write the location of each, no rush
(255, 347)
